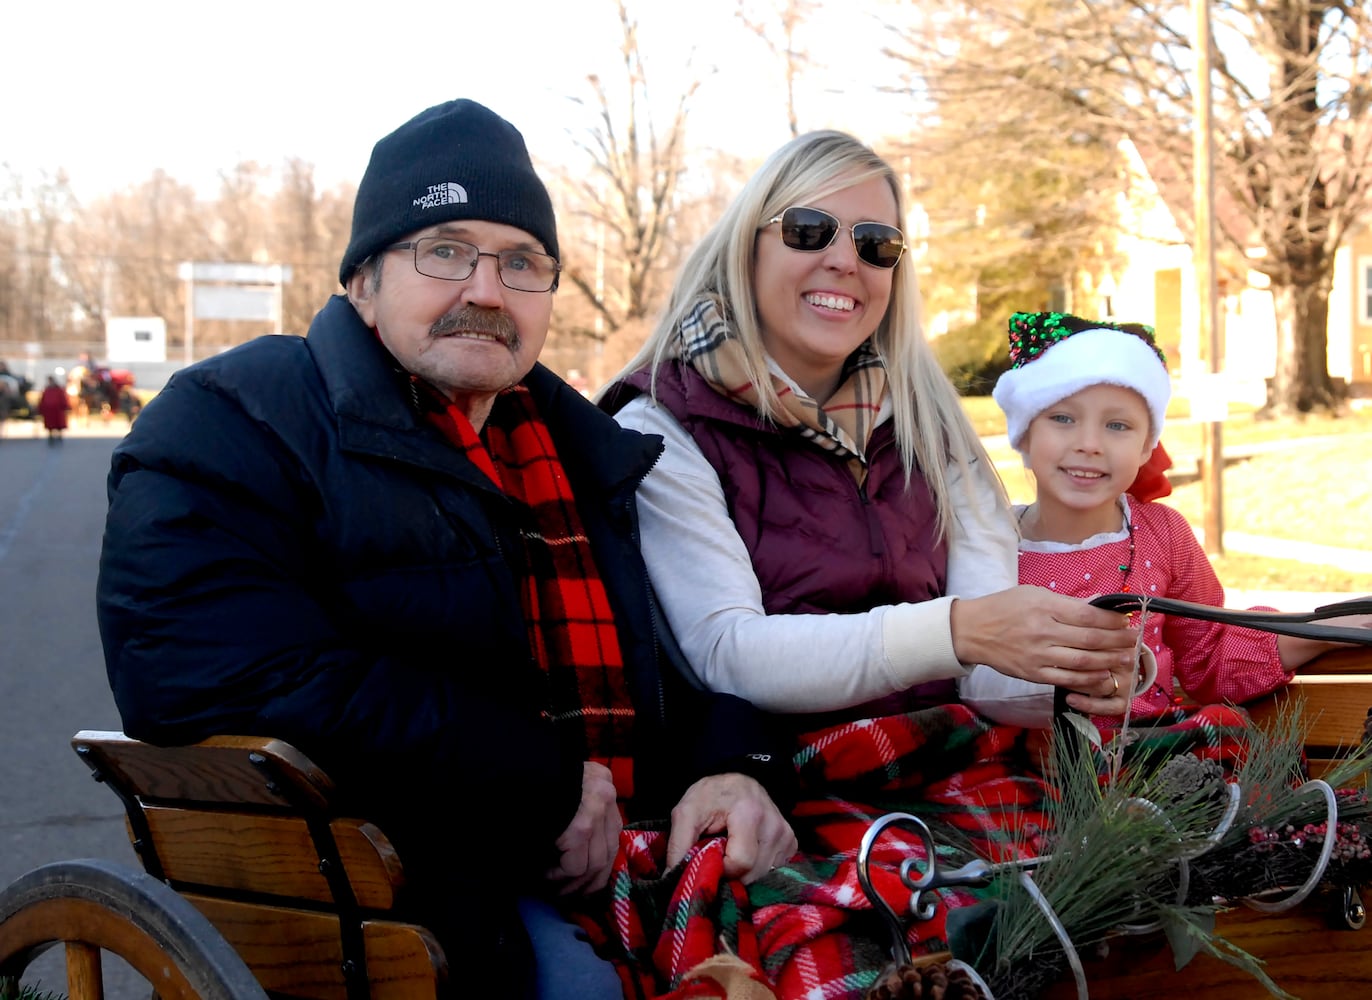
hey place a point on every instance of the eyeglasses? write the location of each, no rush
(809, 230)
(453, 260)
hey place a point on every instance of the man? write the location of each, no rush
(406, 547)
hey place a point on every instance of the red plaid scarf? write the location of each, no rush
(571, 624)
(843, 425)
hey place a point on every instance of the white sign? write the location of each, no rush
(135, 338)
(235, 302)
(236, 274)
(231, 291)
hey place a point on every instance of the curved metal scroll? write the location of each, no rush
(1326, 852)
(900, 951)
(1026, 879)
(975, 873)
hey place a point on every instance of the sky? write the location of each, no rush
(109, 92)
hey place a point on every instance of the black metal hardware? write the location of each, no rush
(318, 821)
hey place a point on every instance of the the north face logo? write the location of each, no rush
(442, 194)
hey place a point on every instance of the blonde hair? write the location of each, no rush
(931, 429)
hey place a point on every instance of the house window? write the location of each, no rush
(1365, 291)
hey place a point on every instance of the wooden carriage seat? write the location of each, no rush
(244, 828)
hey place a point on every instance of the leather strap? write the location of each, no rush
(1301, 624)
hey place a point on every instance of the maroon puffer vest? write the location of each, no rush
(819, 543)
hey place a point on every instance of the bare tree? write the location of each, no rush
(622, 243)
(33, 299)
(999, 234)
(240, 215)
(777, 25)
(65, 268)
(335, 216)
(138, 237)
(1291, 113)
(305, 228)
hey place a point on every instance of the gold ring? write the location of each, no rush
(1115, 681)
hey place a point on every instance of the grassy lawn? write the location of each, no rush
(1320, 492)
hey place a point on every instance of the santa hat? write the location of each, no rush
(1053, 355)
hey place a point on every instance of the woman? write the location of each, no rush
(792, 346)
(830, 541)
(54, 405)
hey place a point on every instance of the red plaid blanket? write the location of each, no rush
(807, 929)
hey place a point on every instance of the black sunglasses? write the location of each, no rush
(809, 230)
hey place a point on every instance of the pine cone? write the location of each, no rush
(927, 981)
(1186, 775)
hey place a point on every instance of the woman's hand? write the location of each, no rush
(1037, 635)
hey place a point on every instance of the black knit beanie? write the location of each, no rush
(457, 160)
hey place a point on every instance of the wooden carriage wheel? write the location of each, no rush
(92, 906)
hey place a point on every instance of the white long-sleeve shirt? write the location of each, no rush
(701, 570)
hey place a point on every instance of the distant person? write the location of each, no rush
(1085, 402)
(54, 405)
(14, 391)
(77, 375)
(406, 547)
(7, 403)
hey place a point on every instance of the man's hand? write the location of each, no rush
(759, 838)
(591, 840)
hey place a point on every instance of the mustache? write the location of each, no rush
(474, 319)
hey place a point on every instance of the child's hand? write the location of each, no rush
(1295, 652)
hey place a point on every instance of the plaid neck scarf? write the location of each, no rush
(570, 622)
(843, 425)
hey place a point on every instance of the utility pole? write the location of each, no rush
(1203, 183)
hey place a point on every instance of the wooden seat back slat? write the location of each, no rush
(217, 770)
(1335, 691)
(1344, 660)
(1335, 708)
(271, 854)
(228, 833)
(296, 953)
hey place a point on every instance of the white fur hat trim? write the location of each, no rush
(1091, 357)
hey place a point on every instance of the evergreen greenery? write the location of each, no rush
(1165, 844)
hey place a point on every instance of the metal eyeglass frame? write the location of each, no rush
(499, 256)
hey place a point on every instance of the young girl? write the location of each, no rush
(1084, 403)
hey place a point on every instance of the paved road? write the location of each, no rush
(52, 675)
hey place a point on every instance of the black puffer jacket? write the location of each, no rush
(291, 550)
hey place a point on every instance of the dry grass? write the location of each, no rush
(1319, 491)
